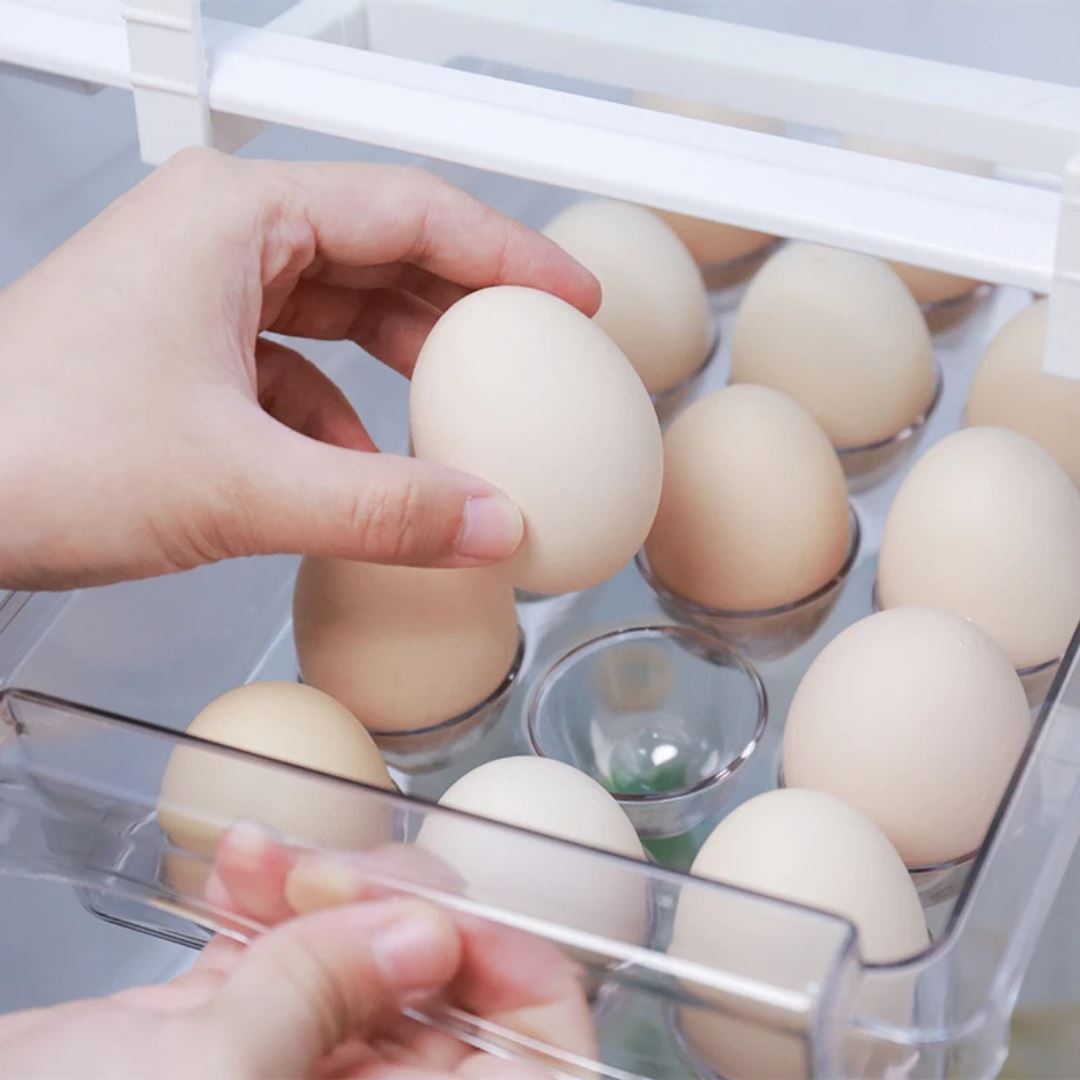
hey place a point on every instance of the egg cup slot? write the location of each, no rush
(669, 401)
(430, 748)
(867, 466)
(1036, 679)
(663, 716)
(767, 634)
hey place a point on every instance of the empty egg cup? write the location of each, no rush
(1036, 679)
(425, 749)
(662, 716)
(669, 401)
(766, 634)
(935, 884)
(866, 466)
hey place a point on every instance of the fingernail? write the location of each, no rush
(247, 839)
(491, 528)
(411, 950)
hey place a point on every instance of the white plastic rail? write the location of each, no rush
(988, 229)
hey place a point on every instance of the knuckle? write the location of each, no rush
(394, 525)
(194, 161)
(317, 989)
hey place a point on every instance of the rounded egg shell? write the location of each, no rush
(916, 718)
(808, 848)
(654, 304)
(754, 509)
(840, 333)
(403, 648)
(1012, 391)
(203, 793)
(526, 392)
(544, 880)
(987, 525)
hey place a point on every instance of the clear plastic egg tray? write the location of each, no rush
(103, 681)
(99, 685)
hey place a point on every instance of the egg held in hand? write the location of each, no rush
(841, 334)
(204, 791)
(403, 648)
(654, 304)
(522, 390)
(915, 717)
(754, 510)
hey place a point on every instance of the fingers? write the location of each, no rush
(391, 324)
(297, 394)
(365, 215)
(320, 881)
(320, 979)
(250, 873)
(289, 494)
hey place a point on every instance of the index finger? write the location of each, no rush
(362, 215)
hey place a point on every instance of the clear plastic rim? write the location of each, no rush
(642, 562)
(1022, 672)
(662, 397)
(390, 737)
(912, 429)
(700, 642)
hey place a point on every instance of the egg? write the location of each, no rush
(523, 390)
(841, 334)
(654, 304)
(1012, 391)
(554, 882)
(915, 717)
(403, 648)
(811, 849)
(204, 792)
(712, 242)
(754, 510)
(926, 285)
(987, 525)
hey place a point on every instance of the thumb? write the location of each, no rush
(304, 497)
(322, 979)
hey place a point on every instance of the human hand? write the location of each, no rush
(149, 428)
(321, 994)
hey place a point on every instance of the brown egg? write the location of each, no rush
(403, 648)
(1012, 391)
(754, 510)
(203, 792)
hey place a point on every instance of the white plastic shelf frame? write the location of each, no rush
(376, 73)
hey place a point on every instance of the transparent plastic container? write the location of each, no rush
(664, 717)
